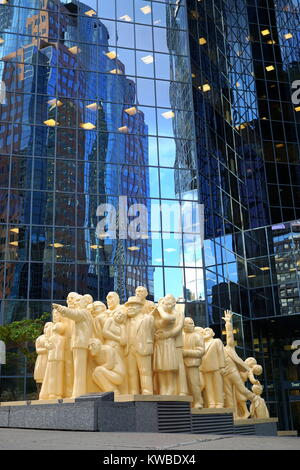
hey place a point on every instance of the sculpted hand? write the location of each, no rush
(159, 334)
(227, 316)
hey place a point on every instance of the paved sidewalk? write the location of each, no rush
(17, 439)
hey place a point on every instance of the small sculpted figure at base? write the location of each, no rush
(258, 408)
(193, 350)
(110, 372)
(42, 356)
(55, 367)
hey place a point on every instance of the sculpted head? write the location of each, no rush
(113, 300)
(208, 333)
(85, 300)
(59, 328)
(141, 292)
(72, 299)
(48, 329)
(257, 369)
(134, 306)
(94, 346)
(55, 316)
(251, 362)
(120, 316)
(257, 389)
(168, 302)
(97, 308)
(189, 325)
(199, 330)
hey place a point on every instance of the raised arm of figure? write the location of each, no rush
(229, 328)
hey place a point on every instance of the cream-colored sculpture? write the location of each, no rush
(193, 350)
(56, 356)
(82, 333)
(213, 363)
(110, 371)
(139, 348)
(113, 303)
(142, 348)
(233, 383)
(68, 355)
(142, 294)
(42, 356)
(165, 359)
(258, 408)
(169, 302)
(99, 314)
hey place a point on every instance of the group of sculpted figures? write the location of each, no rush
(143, 348)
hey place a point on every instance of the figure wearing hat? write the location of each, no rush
(139, 348)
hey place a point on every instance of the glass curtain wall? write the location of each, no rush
(97, 119)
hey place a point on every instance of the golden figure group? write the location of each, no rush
(143, 348)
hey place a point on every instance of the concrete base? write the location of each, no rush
(256, 427)
(129, 413)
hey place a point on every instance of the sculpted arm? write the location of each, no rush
(39, 346)
(197, 352)
(107, 333)
(178, 325)
(229, 328)
(73, 314)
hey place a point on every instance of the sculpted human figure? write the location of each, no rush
(234, 365)
(139, 348)
(82, 333)
(193, 350)
(42, 358)
(254, 369)
(68, 358)
(165, 359)
(200, 331)
(258, 408)
(110, 372)
(114, 330)
(213, 362)
(142, 294)
(55, 367)
(98, 311)
(113, 303)
(169, 301)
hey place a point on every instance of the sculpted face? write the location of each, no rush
(120, 317)
(208, 333)
(189, 325)
(94, 346)
(113, 300)
(72, 299)
(84, 301)
(98, 307)
(56, 316)
(141, 292)
(133, 310)
(48, 329)
(168, 302)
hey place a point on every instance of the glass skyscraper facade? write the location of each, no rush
(166, 105)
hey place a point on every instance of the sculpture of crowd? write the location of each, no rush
(143, 348)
